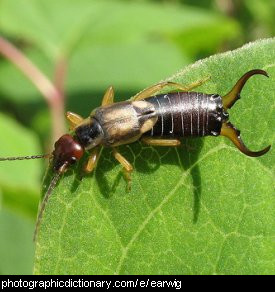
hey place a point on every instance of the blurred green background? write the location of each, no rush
(84, 46)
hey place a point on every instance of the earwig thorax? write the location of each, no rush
(89, 133)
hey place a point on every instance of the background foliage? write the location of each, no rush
(129, 44)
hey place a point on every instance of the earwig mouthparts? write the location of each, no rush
(63, 168)
(230, 98)
(229, 131)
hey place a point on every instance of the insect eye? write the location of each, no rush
(73, 160)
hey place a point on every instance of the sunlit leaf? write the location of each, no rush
(203, 208)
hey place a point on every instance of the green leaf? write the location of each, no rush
(19, 195)
(16, 246)
(203, 208)
(106, 42)
(102, 22)
(19, 180)
(263, 14)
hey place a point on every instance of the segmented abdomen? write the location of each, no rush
(186, 114)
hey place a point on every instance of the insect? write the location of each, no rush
(157, 120)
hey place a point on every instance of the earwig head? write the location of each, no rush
(228, 130)
(67, 150)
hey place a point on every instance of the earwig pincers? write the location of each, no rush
(156, 120)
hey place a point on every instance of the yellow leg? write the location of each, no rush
(127, 167)
(160, 142)
(108, 97)
(92, 160)
(73, 119)
(150, 91)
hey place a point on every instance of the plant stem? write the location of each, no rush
(59, 76)
(49, 91)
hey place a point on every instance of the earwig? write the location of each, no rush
(157, 120)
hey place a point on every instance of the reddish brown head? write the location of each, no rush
(67, 151)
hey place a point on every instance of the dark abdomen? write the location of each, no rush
(186, 114)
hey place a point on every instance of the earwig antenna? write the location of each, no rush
(50, 188)
(25, 157)
(231, 97)
(45, 200)
(229, 131)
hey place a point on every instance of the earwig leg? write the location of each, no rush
(230, 98)
(108, 97)
(160, 142)
(92, 160)
(122, 160)
(73, 119)
(127, 167)
(150, 91)
(229, 131)
(195, 84)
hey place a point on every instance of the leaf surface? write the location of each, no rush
(203, 208)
